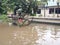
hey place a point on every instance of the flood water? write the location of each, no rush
(34, 34)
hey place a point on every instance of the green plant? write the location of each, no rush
(33, 14)
(4, 18)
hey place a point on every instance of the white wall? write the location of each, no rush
(46, 14)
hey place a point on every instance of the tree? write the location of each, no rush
(29, 5)
(25, 5)
(2, 7)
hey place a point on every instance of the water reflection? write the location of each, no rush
(48, 36)
(34, 34)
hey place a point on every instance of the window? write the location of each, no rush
(39, 11)
(51, 10)
(57, 10)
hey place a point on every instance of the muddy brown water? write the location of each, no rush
(34, 34)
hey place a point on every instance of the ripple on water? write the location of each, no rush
(45, 38)
(34, 34)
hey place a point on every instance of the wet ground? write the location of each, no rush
(34, 34)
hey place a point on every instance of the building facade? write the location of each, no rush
(50, 10)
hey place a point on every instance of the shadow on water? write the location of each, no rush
(34, 34)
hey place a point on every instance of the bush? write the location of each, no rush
(3, 17)
(33, 14)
